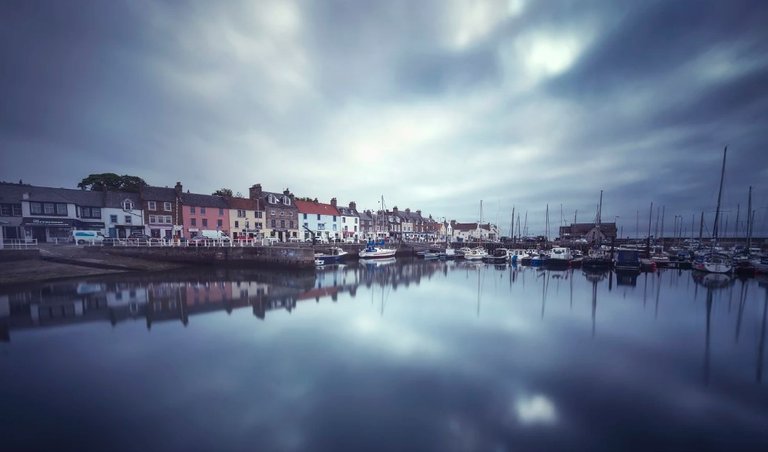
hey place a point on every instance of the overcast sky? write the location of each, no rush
(436, 105)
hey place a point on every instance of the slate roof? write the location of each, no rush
(114, 199)
(198, 200)
(158, 194)
(14, 193)
(347, 212)
(316, 208)
(470, 226)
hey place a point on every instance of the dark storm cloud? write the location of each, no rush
(436, 105)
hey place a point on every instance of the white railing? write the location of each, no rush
(19, 244)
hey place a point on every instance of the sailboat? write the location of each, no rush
(377, 250)
(714, 261)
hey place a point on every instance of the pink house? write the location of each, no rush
(204, 212)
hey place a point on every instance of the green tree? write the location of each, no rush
(223, 192)
(111, 181)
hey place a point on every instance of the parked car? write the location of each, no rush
(199, 240)
(83, 237)
(139, 236)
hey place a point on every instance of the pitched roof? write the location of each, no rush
(198, 200)
(158, 193)
(115, 199)
(316, 208)
(15, 193)
(242, 203)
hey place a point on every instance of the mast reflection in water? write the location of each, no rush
(386, 355)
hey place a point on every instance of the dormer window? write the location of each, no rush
(127, 204)
(286, 200)
(272, 199)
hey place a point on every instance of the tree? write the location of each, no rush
(223, 192)
(111, 181)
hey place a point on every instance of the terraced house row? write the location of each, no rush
(49, 214)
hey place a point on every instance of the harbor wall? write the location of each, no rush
(260, 255)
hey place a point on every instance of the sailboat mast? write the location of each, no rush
(512, 226)
(719, 198)
(749, 220)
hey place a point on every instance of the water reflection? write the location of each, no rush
(422, 355)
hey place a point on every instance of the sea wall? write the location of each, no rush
(262, 255)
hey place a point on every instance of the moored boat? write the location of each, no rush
(330, 255)
(372, 251)
(626, 260)
(559, 257)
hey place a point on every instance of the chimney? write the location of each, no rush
(407, 210)
(179, 189)
(333, 202)
(394, 210)
(418, 212)
(352, 205)
(286, 192)
(255, 191)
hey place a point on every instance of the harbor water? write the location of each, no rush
(395, 354)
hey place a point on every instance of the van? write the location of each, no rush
(83, 237)
(210, 234)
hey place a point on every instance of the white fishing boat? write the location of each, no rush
(475, 254)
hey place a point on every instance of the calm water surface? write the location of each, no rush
(408, 355)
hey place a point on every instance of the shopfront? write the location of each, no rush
(56, 229)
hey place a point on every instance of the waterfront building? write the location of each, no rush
(591, 232)
(162, 210)
(48, 214)
(281, 220)
(204, 213)
(320, 219)
(122, 214)
(350, 221)
(474, 232)
(246, 218)
(367, 225)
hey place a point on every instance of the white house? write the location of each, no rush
(122, 214)
(321, 219)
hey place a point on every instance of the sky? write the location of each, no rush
(439, 106)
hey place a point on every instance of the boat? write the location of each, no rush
(475, 254)
(331, 255)
(517, 255)
(499, 256)
(715, 261)
(371, 251)
(626, 260)
(597, 259)
(318, 262)
(450, 253)
(559, 257)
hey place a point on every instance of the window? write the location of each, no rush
(113, 218)
(286, 200)
(258, 214)
(290, 223)
(320, 226)
(152, 205)
(193, 221)
(153, 219)
(334, 218)
(36, 208)
(355, 220)
(240, 213)
(10, 210)
(128, 219)
(205, 222)
(247, 224)
(306, 225)
(258, 225)
(192, 209)
(282, 223)
(168, 219)
(89, 212)
(272, 199)
(49, 208)
(167, 206)
(202, 211)
(318, 216)
(127, 204)
(221, 211)
(305, 216)
(343, 219)
(237, 224)
(273, 223)
(272, 212)
(219, 223)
